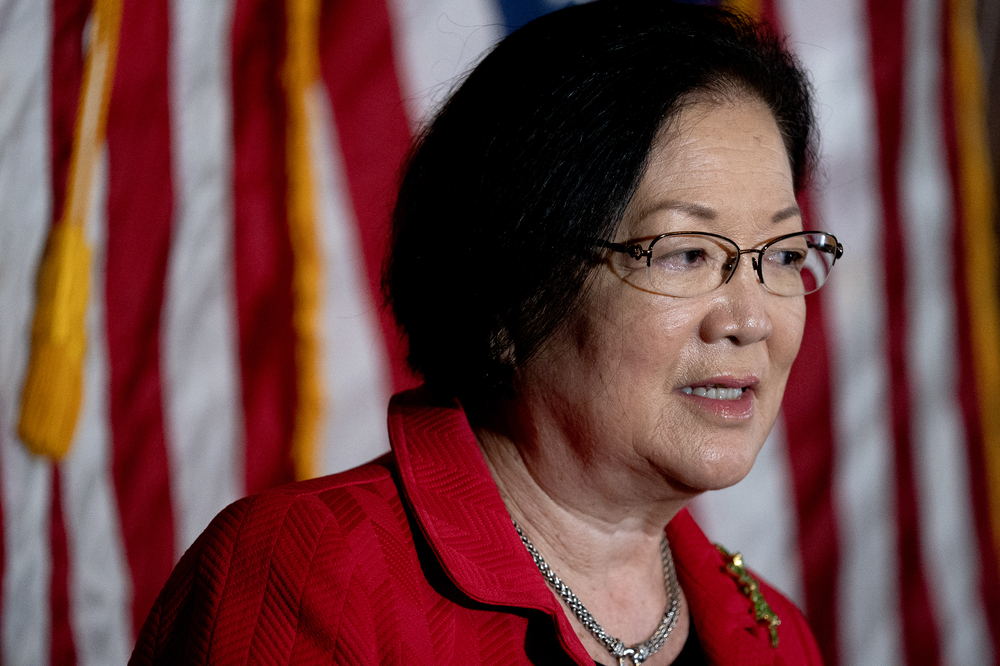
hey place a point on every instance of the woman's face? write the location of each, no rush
(622, 385)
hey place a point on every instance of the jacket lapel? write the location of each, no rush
(459, 510)
(723, 616)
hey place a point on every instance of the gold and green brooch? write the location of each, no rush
(748, 585)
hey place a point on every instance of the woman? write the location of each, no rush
(599, 264)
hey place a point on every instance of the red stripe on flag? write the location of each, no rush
(140, 202)
(63, 649)
(886, 25)
(808, 414)
(360, 74)
(262, 251)
(769, 14)
(66, 78)
(968, 399)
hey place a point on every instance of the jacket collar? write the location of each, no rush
(459, 510)
(457, 505)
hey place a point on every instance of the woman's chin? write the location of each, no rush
(715, 472)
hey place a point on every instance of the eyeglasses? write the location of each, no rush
(687, 263)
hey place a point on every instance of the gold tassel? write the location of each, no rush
(53, 385)
(301, 73)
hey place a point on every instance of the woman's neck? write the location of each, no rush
(604, 546)
(566, 485)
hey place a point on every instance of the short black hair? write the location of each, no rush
(537, 155)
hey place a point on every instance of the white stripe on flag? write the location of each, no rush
(437, 42)
(27, 571)
(355, 368)
(947, 531)
(831, 39)
(25, 209)
(768, 539)
(99, 590)
(202, 398)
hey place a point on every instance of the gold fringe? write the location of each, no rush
(980, 238)
(301, 73)
(53, 386)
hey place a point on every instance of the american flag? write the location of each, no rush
(231, 165)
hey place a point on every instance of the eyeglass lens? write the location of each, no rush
(694, 264)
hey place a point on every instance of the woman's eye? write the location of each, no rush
(787, 258)
(682, 259)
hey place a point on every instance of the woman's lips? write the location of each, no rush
(726, 397)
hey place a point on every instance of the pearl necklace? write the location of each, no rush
(639, 652)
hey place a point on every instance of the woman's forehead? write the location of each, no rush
(714, 163)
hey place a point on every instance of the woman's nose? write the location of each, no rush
(739, 309)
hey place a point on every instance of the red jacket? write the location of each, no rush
(412, 559)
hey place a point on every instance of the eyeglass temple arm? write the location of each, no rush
(838, 251)
(634, 251)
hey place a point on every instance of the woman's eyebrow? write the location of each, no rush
(707, 213)
(786, 213)
(692, 209)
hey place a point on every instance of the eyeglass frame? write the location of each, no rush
(635, 251)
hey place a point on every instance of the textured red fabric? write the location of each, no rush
(411, 559)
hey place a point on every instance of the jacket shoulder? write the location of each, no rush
(236, 594)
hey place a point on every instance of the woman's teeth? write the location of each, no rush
(714, 393)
